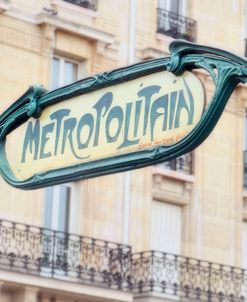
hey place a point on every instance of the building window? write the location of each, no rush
(62, 208)
(62, 216)
(172, 21)
(182, 164)
(166, 227)
(61, 201)
(64, 72)
(90, 4)
(57, 208)
(174, 6)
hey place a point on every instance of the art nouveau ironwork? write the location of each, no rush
(53, 254)
(43, 252)
(225, 69)
(190, 279)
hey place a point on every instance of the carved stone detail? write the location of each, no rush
(171, 190)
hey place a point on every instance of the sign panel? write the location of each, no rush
(116, 121)
(158, 109)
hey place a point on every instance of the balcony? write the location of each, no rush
(47, 253)
(182, 164)
(90, 4)
(176, 26)
(42, 252)
(172, 277)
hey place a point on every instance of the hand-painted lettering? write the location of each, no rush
(135, 122)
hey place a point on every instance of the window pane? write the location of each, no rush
(175, 6)
(55, 73)
(166, 227)
(163, 4)
(70, 70)
(63, 209)
(48, 207)
(171, 5)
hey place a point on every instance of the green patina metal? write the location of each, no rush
(226, 70)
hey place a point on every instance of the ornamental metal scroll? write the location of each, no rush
(128, 118)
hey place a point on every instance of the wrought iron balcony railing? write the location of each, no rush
(187, 278)
(183, 164)
(39, 251)
(90, 4)
(245, 170)
(176, 26)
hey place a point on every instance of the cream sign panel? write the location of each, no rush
(157, 109)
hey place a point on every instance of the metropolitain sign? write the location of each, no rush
(124, 119)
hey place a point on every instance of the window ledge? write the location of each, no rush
(65, 287)
(172, 186)
(174, 175)
(152, 53)
(165, 38)
(75, 8)
(80, 30)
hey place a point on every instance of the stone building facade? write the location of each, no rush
(174, 231)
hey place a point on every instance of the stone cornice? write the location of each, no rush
(74, 28)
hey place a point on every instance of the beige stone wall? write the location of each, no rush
(212, 202)
(20, 66)
(102, 203)
(219, 188)
(213, 217)
(220, 23)
(26, 53)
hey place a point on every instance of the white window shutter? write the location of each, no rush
(166, 227)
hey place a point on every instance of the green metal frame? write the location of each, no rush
(225, 69)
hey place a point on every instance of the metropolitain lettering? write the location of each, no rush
(123, 125)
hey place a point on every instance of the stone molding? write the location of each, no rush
(62, 287)
(102, 38)
(172, 186)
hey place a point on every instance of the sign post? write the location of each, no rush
(116, 121)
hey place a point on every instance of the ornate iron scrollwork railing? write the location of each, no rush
(176, 26)
(183, 164)
(187, 278)
(90, 4)
(39, 251)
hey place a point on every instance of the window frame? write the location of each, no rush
(74, 208)
(166, 4)
(61, 77)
